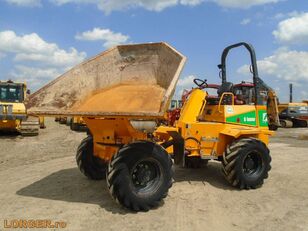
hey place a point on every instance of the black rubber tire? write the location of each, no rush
(235, 158)
(122, 167)
(91, 166)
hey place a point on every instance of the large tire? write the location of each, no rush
(246, 163)
(140, 175)
(91, 166)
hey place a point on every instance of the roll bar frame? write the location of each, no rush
(256, 79)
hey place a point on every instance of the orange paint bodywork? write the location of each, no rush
(206, 135)
(111, 133)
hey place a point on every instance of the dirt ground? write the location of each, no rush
(39, 180)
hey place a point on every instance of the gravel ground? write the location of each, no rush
(39, 180)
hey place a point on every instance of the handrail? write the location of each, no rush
(222, 97)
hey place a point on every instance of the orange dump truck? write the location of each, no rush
(123, 95)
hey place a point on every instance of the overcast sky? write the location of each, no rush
(41, 39)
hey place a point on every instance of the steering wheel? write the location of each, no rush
(201, 83)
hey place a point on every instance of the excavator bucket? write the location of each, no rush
(135, 80)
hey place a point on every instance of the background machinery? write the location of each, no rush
(123, 94)
(77, 123)
(293, 114)
(13, 114)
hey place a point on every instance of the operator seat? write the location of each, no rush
(225, 87)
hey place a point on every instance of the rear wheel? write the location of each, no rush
(246, 163)
(91, 166)
(140, 175)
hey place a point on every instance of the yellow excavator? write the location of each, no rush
(293, 114)
(13, 113)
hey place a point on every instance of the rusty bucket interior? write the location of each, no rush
(135, 80)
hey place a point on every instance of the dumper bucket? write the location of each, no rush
(136, 80)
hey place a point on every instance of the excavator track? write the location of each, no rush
(29, 128)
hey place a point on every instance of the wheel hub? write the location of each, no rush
(252, 163)
(143, 173)
(249, 164)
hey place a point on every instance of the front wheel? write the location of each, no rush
(140, 175)
(246, 163)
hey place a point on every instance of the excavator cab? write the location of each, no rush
(10, 92)
(13, 113)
